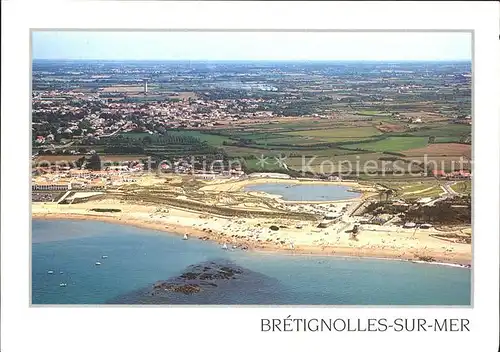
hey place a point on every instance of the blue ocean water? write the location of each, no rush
(305, 192)
(137, 258)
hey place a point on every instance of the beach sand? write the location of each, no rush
(390, 242)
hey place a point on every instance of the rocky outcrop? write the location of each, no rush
(213, 282)
(197, 276)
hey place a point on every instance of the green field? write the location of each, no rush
(374, 113)
(443, 130)
(357, 164)
(211, 139)
(289, 125)
(311, 136)
(137, 135)
(463, 187)
(421, 188)
(250, 135)
(349, 132)
(320, 163)
(288, 140)
(391, 144)
(235, 151)
(335, 163)
(328, 142)
(449, 139)
(434, 192)
(414, 189)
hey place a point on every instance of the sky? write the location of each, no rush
(369, 46)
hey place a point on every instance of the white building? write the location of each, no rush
(269, 175)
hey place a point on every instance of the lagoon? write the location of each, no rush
(305, 192)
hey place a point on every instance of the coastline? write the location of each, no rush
(462, 260)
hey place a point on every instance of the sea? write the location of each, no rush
(64, 271)
(305, 192)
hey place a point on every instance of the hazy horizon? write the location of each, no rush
(251, 46)
(256, 60)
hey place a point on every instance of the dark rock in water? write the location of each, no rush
(183, 288)
(213, 282)
(190, 282)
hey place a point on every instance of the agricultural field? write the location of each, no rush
(432, 192)
(235, 151)
(354, 164)
(417, 188)
(448, 139)
(374, 113)
(360, 147)
(446, 163)
(332, 144)
(390, 126)
(124, 89)
(211, 139)
(368, 136)
(350, 132)
(390, 144)
(288, 140)
(463, 187)
(334, 135)
(323, 117)
(137, 135)
(442, 130)
(441, 149)
(286, 125)
(414, 189)
(305, 124)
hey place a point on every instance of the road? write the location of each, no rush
(54, 147)
(447, 188)
(450, 193)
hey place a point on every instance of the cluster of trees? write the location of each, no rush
(148, 140)
(444, 212)
(91, 163)
(124, 149)
(463, 139)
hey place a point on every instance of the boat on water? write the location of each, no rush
(97, 263)
(50, 272)
(63, 284)
(224, 246)
(104, 256)
(185, 236)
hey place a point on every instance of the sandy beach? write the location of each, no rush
(292, 236)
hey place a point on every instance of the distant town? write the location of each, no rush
(93, 100)
(240, 110)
